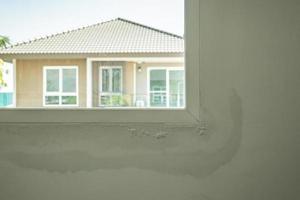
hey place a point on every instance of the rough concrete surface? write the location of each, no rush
(249, 81)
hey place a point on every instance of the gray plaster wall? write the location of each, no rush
(250, 151)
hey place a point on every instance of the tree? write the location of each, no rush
(2, 83)
(3, 42)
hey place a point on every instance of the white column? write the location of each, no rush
(14, 71)
(89, 85)
(134, 85)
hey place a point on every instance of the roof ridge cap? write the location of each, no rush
(149, 27)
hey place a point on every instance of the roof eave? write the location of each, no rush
(11, 56)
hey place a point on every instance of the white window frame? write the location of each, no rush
(101, 93)
(188, 115)
(168, 69)
(60, 93)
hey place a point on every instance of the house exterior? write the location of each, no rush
(118, 63)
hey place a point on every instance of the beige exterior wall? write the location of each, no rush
(95, 84)
(128, 85)
(29, 78)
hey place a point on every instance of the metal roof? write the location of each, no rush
(115, 36)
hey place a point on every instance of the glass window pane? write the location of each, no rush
(52, 77)
(158, 80)
(116, 100)
(52, 100)
(176, 81)
(158, 99)
(69, 80)
(105, 80)
(112, 100)
(69, 100)
(116, 80)
(105, 100)
(176, 88)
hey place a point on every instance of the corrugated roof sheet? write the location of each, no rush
(115, 36)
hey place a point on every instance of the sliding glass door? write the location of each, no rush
(110, 86)
(158, 88)
(166, 87)
(176, 88)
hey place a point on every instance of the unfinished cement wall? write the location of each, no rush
(250, 95)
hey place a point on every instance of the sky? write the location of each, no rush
(22, 20)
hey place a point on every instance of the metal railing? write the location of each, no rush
(140, 100)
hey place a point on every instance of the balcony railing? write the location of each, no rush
(151, 100)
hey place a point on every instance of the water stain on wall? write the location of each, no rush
(85, 148)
